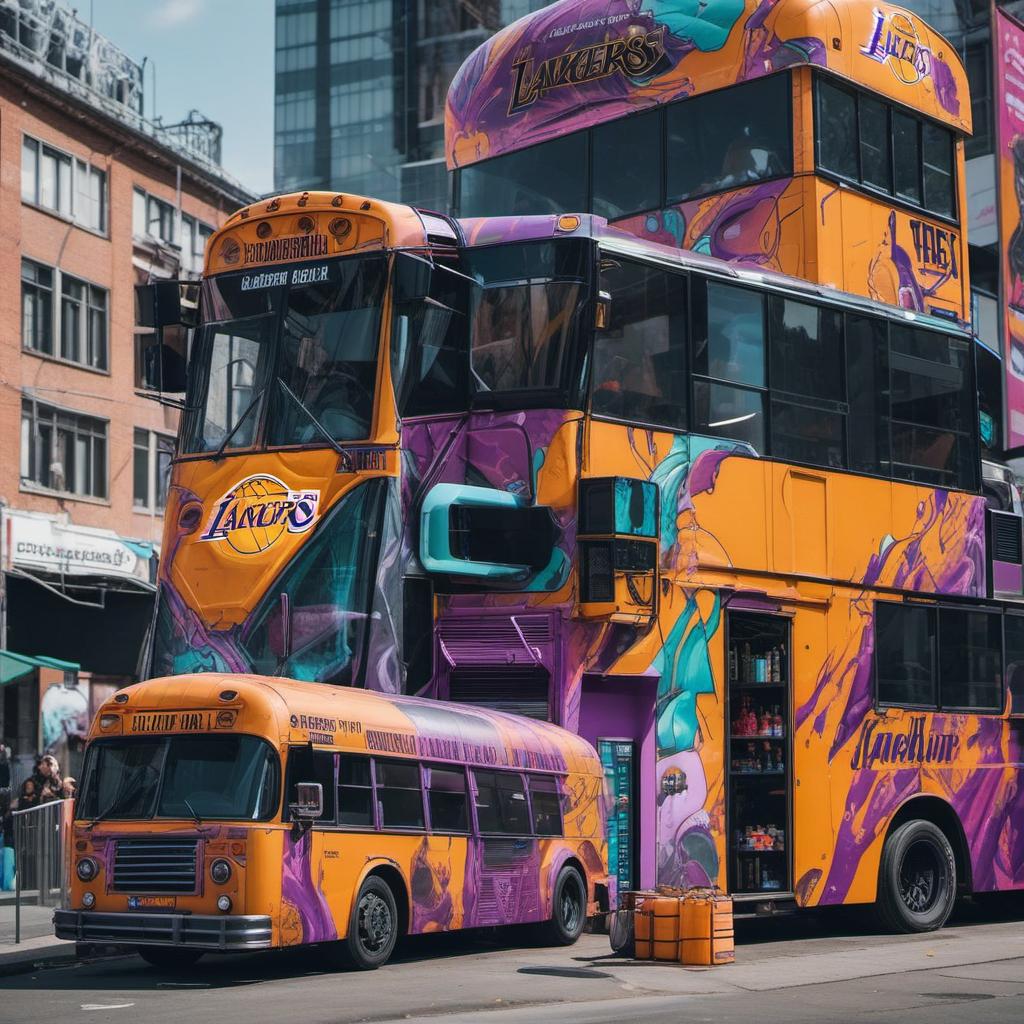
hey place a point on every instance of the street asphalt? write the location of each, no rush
(829, 967)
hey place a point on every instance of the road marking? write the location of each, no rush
(106, 1006)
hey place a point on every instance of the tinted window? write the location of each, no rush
(639, 370)
(875, 144)
(867, 375)
(804, 434)
(355, 792)
(724, 411)
(937, 153)
(837, 130)
(970, 659)
(501, 803)
(545, 806)
(624, 186)
(726, 139)
(549, 178)
(1013, 626)
(308, 765)
(731, 345)
(399, 794)
(806, 350)
(449, 803)
(905, 654)
(906, 135)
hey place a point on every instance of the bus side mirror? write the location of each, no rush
(603, 311)
(309, 801)
(162, 358)
(166, 304)
(412, 278)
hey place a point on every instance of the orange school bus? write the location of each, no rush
(221, 813)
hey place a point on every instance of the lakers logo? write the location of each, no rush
(894, 41)
(257, 512)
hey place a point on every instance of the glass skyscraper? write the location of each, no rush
(360, 88)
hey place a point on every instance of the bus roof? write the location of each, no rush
(481, 231)
(316, 225)
(286, 711)
(577, 63)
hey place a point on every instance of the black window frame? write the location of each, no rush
(475, 771)
(942, 662)
(454, 768)
(954, 217)
(931, 609)
(1008, 690)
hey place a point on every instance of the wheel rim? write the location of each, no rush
(572, 908)
(923, 876)
(375, 923)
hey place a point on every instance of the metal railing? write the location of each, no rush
(40, 857)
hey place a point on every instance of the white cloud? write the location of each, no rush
(175, 12)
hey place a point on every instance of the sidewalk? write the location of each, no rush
(37, 945)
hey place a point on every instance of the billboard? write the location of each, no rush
(1009, 62)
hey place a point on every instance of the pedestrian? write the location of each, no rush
(5, 767)
(69, 787)
(44, 784)
(6, 841)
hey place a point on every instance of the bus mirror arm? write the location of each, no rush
(603, 311)
(308, 806)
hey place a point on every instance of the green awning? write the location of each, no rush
(14, 667)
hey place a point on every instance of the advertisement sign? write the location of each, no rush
(617, 760)
(1009, 62)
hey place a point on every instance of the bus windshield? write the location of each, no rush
(202, 776)
(287, 356)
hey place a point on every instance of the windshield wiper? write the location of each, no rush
(119, 798)
(321, 429)
(192, 811)
(241, 419)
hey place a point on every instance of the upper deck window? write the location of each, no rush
(876, 144)
(627, 164)
(729, 138)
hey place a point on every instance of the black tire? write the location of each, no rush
(568, 910)
(373, 927)
(169, 958)
(916, 879)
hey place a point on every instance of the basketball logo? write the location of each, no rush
(894, 41)
(255, 513)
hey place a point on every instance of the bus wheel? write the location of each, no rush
(169, 958)
(373, 930)
(568, 909)
(917, 878)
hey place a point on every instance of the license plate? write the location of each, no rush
(145, 902)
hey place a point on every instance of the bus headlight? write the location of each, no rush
(224, 903)
(220, 871)
(87, 869)
(88, 900)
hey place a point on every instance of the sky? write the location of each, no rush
(215, 56)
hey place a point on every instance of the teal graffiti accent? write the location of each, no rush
(684, 665)
(703, 245)
(197, 659)
(645, 525)
(670, 476)
(706, 25)
(670, 221)
(538, 463)
(553, 575)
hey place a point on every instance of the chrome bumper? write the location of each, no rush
(196, 931)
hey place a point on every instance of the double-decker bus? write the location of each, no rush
(230, 813)
(820, 139)
(725, 524)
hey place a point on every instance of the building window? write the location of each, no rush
(152, 217)
(58, 182)
(194, 236)
(37, 307)
(63, 451)
(152, 455)
(865, 140)
(83, 323)
(905, 642)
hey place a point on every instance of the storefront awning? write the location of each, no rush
(14, 667)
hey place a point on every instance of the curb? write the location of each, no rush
(29, 961)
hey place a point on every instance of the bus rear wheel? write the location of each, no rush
(169, 958)
(373, 930)
(568, 909)
(917, 878)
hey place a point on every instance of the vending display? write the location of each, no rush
(617, 759)
(759, 781)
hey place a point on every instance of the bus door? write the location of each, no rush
(508, 884)
(759, 755)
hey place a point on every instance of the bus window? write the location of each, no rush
(621, 187)
(906, 130)
(449, 805)
(549, 178)
(729, 138)
(545, 805)
(937, 157)
(837, 130)
(355, 791)
(501, 803)
(732, 345)
(724, 411)
(875, 144)
(640, 359)
(1013, 632)
(867, 388)
(308, 765)
(905, 654)
(399, 794)
(970, 659)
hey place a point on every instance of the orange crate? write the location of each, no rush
(706, 929)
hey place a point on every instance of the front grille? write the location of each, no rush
(155, 866)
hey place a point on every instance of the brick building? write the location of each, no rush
(93, 199)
